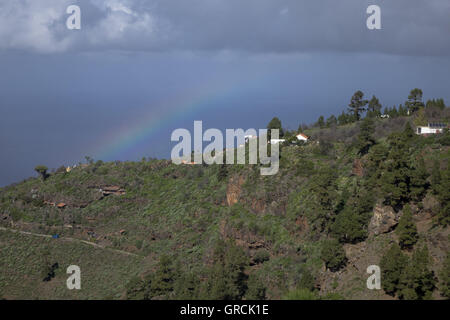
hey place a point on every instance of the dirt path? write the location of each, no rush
(96, 245)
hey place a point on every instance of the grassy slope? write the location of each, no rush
(23, 259)
(178, 210)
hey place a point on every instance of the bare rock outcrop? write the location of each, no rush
(384, 219)
(234, 190)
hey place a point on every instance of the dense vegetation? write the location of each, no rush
(226, 232)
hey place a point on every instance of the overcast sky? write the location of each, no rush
(162, 64)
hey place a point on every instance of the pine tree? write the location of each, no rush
(357, 104)
(138, 289)
(331, 121)
(406, 229)
(186, 286)
(324, 188)
(395, 176)
(333, 255)
(436, 177)
(275, 123)
(444, 198)
(374, 107)
(162, 282)
(365, 137)
(402, 111)
(393, 113)
(42, 170)
(350, 225)
(417, 281)
(408, 134)
(418, 181)
(256, 288)
(440, 104)
(425, 279)
(414, 100)
(377, 156)
(392, 266)
(420, 118)
(307, 280)
(343, 119)
(227, 280)
(445, 277)
(321, 122)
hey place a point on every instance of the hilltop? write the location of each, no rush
(367, 192)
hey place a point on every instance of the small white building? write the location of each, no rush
(275, 141)
(432, 128)
(302, 137)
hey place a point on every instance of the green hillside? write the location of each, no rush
(336, 206)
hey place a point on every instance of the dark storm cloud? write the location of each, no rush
(409, 27)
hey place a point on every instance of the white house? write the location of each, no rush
(275, 141)
(302, 137)
(432, 128)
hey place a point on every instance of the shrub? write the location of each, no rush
(333, 255)
(445, 277)
(406, 229)
(42, 170)
(261, 256)
(256, 288)
(392, 265)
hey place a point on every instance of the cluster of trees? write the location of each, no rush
(390, 172)
(158, 284)
(445, 277)
(435, 103)
(405, 277)
(404, 179)
(333, 254)
(225, 279)
(391, 169)
(351, 222)
(440, 183)
(406, 229)
(359, 106)
(394, 112)
(343, 216)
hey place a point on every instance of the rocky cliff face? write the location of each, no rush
(384, 219)
(234, 189)
(352, 278)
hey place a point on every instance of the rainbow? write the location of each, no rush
(117, 142)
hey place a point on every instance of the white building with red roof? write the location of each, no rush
(302, 137)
